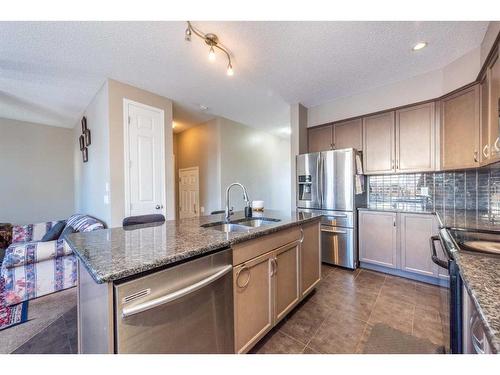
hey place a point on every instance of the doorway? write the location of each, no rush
(144, 146)
(189, 192)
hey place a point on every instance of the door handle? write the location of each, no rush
(333, 231)
(175, 295)
(158, 207)
(434, 256)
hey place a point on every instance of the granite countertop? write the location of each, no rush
(480, 272)
(400, 207)
(468, 220)
(116, 253)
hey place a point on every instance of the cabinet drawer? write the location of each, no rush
(247, 250)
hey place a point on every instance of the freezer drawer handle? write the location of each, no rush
(175, 295)
(333, 231)
(434, 256)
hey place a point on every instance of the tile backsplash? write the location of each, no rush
(473, 189)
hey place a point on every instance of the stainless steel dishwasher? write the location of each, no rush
(184, 309)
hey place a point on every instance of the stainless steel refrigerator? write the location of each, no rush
(331, 182)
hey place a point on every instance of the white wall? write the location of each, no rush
(423, 87)
(90, 178)
(37, 172)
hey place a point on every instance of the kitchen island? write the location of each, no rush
(118, 256)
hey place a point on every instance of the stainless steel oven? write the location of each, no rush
(184, 309)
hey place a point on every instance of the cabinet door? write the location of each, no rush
(378, 143)
(377, 238)
(253, 301)
(310, 258)
(286, 273)
(484, 131)
(415, 138)
(460, 129)
(494, 109)
(415, 233)
(320, 139)
(348, 134)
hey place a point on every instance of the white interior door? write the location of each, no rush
(144, 159)
(189, 191)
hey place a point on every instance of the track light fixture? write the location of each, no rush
(213, 41)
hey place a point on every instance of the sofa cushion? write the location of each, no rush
(21, 254)
(31, 232)
(54, 232)
(67, 230)
(84, 223)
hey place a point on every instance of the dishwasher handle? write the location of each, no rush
(434, 256)
(175, 295)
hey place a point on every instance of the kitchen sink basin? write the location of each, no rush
(255, 223)
(226, 227)
(241, 225)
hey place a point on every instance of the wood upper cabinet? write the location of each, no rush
(484, 130)
(415, 138)
(494, 109)
(253, 301)
(377, 238)
(415, 232)
(378, 143)
(320, 138)
(460, 129)
(285, 270)
(310, 258)
(348, 134)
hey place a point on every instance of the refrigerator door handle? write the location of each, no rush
(318, 164)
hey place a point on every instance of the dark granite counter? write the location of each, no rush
(468, 220)
(405, 208)
(481, 277)
(116, 253)
(480, 272)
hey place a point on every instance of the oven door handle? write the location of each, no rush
(434, 256)
(126, 312)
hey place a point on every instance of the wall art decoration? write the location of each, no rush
(85, 140)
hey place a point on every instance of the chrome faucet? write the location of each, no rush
(229, 211)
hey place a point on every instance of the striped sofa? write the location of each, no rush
(32, 269)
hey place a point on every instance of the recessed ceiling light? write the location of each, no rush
(419, 46)
(203, 107)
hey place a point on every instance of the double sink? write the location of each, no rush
(241, 225)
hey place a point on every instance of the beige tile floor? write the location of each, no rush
(339, 316)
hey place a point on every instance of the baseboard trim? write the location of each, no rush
(405, 274)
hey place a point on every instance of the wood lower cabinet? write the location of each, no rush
(286, 272)
(377, 238)
(253, 301)
(310, 258)
(415, 138)
(460, 129)
(415, 233)
(348, 134)
(268, 286)
(400, 241)
(378, 143)
(320, 138)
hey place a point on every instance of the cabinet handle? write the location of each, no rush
(392, 164)
(301, 235)
(475, 156)
(274, 266)
(244, 268)
(497, 148)
(486, 152)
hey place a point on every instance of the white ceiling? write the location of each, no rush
(49, 71)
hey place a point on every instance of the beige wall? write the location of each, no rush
(200, 147)
(37, 172)
(91, 179)
(423, 87)
(226, 151)
(258, 160)
(117, 92)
